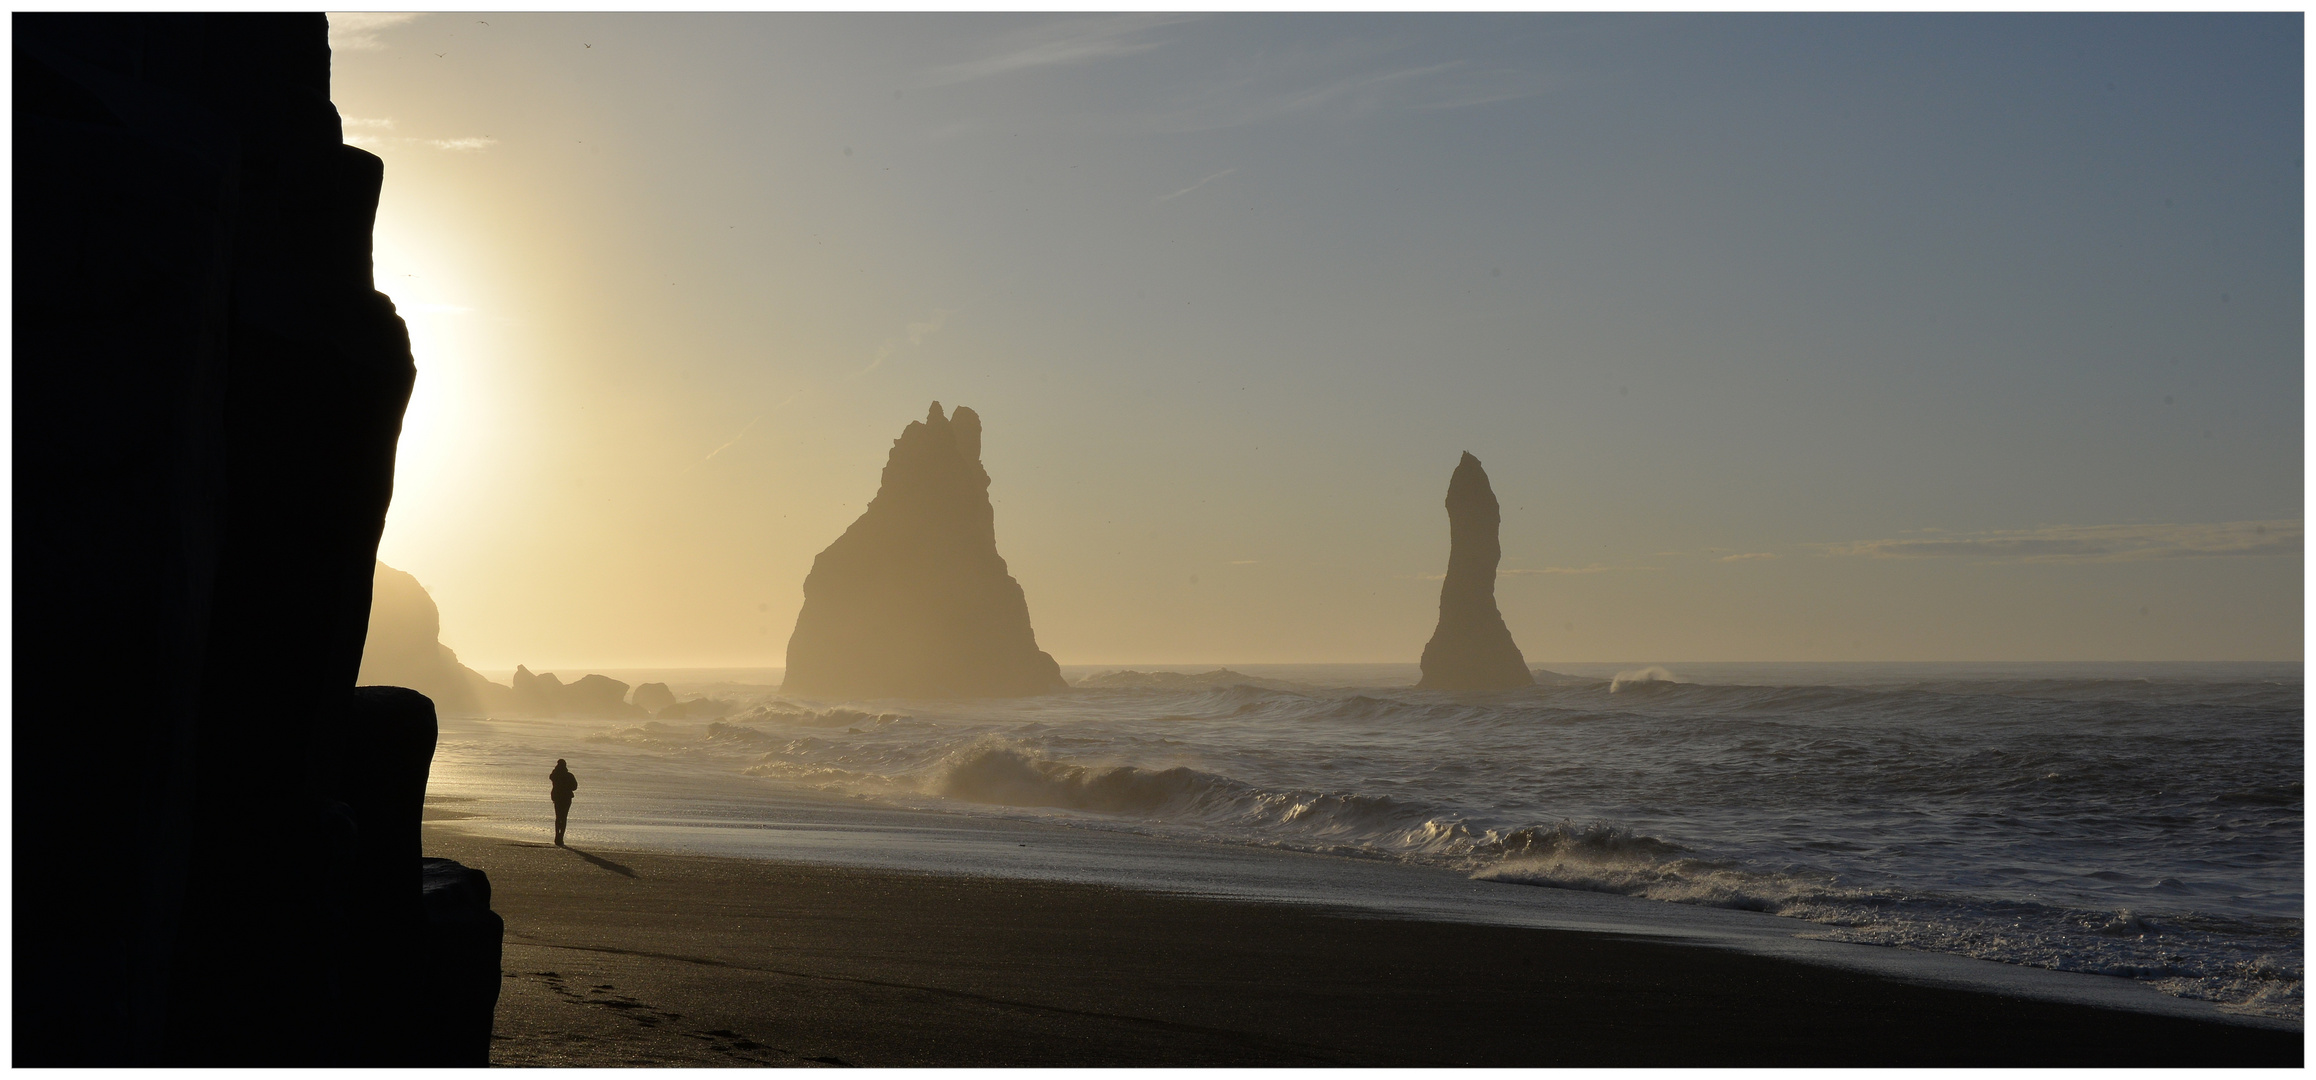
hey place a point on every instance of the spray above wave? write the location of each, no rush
(1175, 680)
(993, 771)
(990, 773)
(1644, 678)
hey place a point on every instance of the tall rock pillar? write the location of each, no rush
(1472, 649)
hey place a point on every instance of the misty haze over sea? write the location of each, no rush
(1824, 337)
(2131, 819)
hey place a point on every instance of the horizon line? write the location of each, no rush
(694, 666)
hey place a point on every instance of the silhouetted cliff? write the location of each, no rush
(1472, 649)
(913, 600)
(208, 391)
(404, 648)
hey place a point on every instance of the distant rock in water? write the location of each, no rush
(404, 648)
(534, 695)
(651, 697)
(1472, 649)
(599, 696)
(913, 600)
(596, 695)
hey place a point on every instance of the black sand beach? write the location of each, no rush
(633, 958)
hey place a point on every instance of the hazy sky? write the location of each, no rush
(1798, 337)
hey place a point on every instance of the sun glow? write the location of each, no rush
(454, 420)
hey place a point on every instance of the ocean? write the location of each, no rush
(2142, 821)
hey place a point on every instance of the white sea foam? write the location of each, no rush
(2133, 826)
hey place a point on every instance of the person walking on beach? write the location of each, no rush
(563, 785)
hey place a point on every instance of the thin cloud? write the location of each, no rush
(365, 131)
(1747, 556)
(737, 436)
(357, 31)
(1451, 84)
(913, 333)
(1074, 41)
(1185, 191)
(372, 131)
(2090, 543)
(1595, 568)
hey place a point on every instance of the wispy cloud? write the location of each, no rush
(1595, 568)
(2089, 543)
(1171, 196)
(365, 130)
(913, 333)
(1064, 42)
(357, 31)
(1747, 556)
(1277, 93)
(376, 131)
(738, 435)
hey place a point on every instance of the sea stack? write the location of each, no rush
(913, 600)
(1472, 649)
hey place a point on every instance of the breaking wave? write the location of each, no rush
(1975, 816)
(1648, 677)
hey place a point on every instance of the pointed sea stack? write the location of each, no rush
(913, 600)
(1472, 649)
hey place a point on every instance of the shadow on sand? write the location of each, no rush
(597, 860)
(602, 862)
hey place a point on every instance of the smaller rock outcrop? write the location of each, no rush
(596, 695)
(1472, 649)
(535, 695)
(651, 697)
(593, 696)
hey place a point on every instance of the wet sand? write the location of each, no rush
(633, 958)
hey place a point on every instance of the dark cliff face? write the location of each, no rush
(913, 600)
(208, 394)
(1472, 649)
